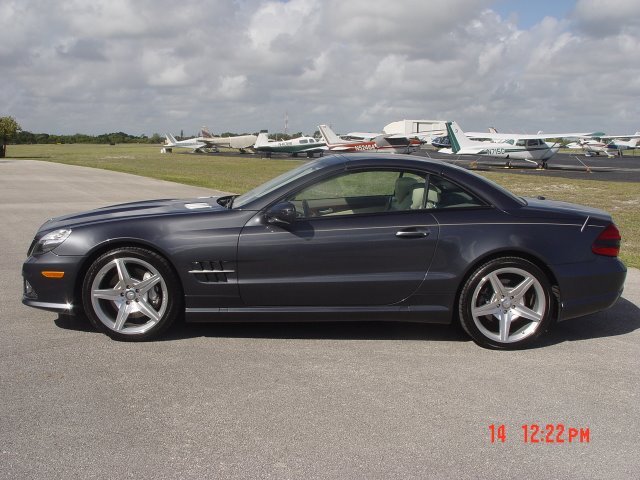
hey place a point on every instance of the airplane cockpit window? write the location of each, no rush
(520, 143)
(532, 142)
(510, 141)
(304, 141)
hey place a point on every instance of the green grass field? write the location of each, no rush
(239, 174)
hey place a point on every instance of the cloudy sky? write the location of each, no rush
(146, 66)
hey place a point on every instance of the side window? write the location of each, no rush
(366, 192)
(445, 194)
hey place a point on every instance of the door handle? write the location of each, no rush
(413, 233)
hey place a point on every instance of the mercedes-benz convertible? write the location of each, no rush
(345, 237)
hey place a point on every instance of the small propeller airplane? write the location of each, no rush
(393, 143)
(238, 142)
(207, 142)
(529, 147)
(192, 143)
(295, 146)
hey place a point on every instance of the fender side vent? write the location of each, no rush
(211, 271)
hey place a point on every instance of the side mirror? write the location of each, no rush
(283, 213)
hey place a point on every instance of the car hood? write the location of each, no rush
(135, 209)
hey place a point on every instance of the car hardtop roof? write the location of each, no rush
(401, 160)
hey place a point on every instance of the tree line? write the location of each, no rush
(12, 133)
(26, 137)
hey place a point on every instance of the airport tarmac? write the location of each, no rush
(313, 401)
(573, 166)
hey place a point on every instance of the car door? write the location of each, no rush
(355, 242)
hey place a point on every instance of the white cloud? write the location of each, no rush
(232, 87)
(602, 18)
(238, 65)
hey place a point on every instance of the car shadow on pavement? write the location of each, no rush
(321, 330)
(292, 330)
(79, 323)
(621, 319)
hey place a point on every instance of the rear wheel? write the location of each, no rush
(131, 294)
(506, 303)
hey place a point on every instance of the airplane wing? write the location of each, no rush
(399, 135)
(366, 136)
(392, 139)
(318, 148)
(525, 136)
(341, 148)
(621, 136)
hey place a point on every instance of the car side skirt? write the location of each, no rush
(414, 313)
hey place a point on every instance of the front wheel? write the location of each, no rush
(131, 294)
(506, 303)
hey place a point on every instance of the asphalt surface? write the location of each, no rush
(575, 166)
(293, 400)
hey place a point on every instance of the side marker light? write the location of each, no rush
(49, 274)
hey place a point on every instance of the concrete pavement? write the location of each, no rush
(293, 400)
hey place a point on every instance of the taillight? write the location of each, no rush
(608, 242)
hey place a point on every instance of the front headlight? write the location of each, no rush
(50, 241)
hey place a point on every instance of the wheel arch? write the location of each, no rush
(537, 261)
(103, 248)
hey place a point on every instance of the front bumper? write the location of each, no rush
(53, 294)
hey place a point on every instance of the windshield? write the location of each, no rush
(273, 184)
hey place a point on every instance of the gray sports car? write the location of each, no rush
(357, 237)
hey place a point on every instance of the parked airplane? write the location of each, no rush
(240, 142)
(207, 142)
(382, 143)
(610, 145)
(529, 147)
(306, 145)
(192, 143)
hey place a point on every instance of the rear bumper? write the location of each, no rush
(589, 287)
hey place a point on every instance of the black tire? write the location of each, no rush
(131, 294)
(499, 315)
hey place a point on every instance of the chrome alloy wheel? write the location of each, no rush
(129, 295)
(508, 305)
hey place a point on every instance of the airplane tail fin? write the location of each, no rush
(170, 139)
(262, 140)
(205, 133)
(457, 137)
(330, 138)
